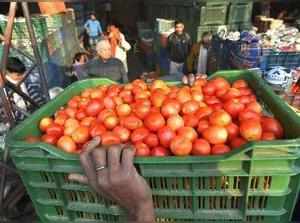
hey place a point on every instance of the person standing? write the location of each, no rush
(94, 29)
(179, 45)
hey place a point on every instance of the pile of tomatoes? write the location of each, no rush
(210, 118)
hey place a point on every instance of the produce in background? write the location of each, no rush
(210, 118)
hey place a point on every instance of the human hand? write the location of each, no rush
(191, 78)
(111, 173)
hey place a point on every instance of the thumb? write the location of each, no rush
(78, 178)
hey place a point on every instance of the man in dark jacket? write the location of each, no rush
(179, 45)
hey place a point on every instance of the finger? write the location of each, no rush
(91, 144)
(78, 178)
(99, 157)
(114, 157)
(127, 158)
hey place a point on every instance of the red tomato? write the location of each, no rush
(45, 123)
(254, 106)
(141, 149)
(55, 130)
(202, 125)
(215, 134)
(181, 146)
(80, 114)
(231, 93)
(240, 84)
(139, 134)
(200, 82)
(160, 151)
(170, 107)
(268, 136)
(50, 139)
(82, 104)
(33, 139)
(217, 106)
(86, 93)
(190, 120)
(209, 89)
(73, 103)
(109, 103)
(251, 130)
(197, 96)
(175, 122)
(105, 113)
(126, 96)
(94, 107)
(88, 121)
(237, 142)
(123, 109)
(123, 133)
(97, 94)
(183, 95)
(111, 121)
(81, 135)
(233, 130)
(61, 119)
(221, 92)
(188, 132)
(201, 148)
(151, 140)
(67, 144)
(110, 138)
(220, 118)
(131, 122)
(272, 125)
(220, 149)
(117, 100)
(245, 91)
(158, 98)
(245, 99)
(211, 100)
(113, 90)
(220, 83)
(204, 112)
(190, 107)
(234, 107)
(140, 83)
(97, 130)
(244, 115)
(165, 135)
(154, 121)
(71, 112)
(71, 125)
(141, 110)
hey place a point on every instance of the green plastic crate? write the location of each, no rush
(213, 14)
(257, 183)
(240, 13)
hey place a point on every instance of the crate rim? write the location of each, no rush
(22, 145)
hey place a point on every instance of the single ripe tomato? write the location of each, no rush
(234, 107)
(200, 82)
(111, 121)
(131, 122)
(190, 120)
(61, 119)
(73, 103)
(55, 130)
(113, 90)
(160, 151)
(80, 114)
(154, 121)
(170, 107)
(123, 109)
(45, 123)
(181, 146)
(109, 103)
(220, 83)
(97, 94)
(158, 84)
(50, 139)
(220, 118)
(97, 129)
(245, 99)
(94, 107)
(245, 115)
(215, 134)
(126, 96)
(268, 136)
(237, 142)
(209, 89)
(221, 92)
(245, 91)
(157, 98)
(183, 95)
(88, 121)
(188, 133)
(141, 149)
(190, 107)
(141, 110)
(71, 112)
(202, 125)
(67, 144)
(105, 113)
(82, 104)
(123, 133)
(204, 112)
(272, 125)
(220, 149)
(151, 140)
(211, 100)
(110, 138)
(233, 131)
(217, 106)
(142, 95)
(81, 135)
(254, 106)
(117, 100)
(201, 148)
(240, 84)
(165, 135)
(251, 130)
(175, 122)
(32, 139)
(71, 125)
(197, 95)
(139, 134)
(231, 93)
(86, 93)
